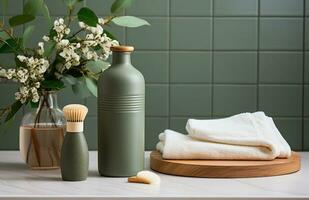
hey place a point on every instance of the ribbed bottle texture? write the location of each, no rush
(126, 103)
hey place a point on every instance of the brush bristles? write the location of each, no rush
(75, 112)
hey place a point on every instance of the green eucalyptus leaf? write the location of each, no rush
(129, 21)
(48, 48)
(46, 14)
(10, 45)
(4, 35)
(52, 84)
(13, 110)
(52, 33)
(97, 66)
(92, 86)
(119, 5)
(80, 89)
(69, 79)
(27, 34)
(32, 7)
(20, 19)
(87, 16)
(109, 34)
(74, 72)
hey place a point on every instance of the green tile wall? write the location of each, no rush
(206, 59)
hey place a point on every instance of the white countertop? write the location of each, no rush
(18, 182)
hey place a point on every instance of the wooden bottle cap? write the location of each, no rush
(122, 48)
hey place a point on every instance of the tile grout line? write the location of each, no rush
(169, 63)
(125, 35)
(212, 59)
(258, 58)
(201, 16)
(225, 84)
(225, 50)
(209, 116)
(303, 88)
(85, 100)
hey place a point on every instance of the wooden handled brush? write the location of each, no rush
(75, 115)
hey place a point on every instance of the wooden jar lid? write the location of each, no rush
(122, 48)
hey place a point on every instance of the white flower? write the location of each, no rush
(89, 36)
(68, 65)
(41, 69)
(67, 31)
(90, 40)
(70, 55)
(10, 73)
(45, 38)
(34, 94)
(41, 44)
(26, 93)
(17, 95)
(22, 75)
(56, 23)
(37, 84)
(101, 21)
(42, 65)
(35, 68)
(61, 20)
(98, 30)
(63, 43)
(61, 29)
(21, 58)
(41, 48)
(82, 24)
(2, 72)
(29, 76)
(114, 43)
(22, 95)
(33, 91)
(24, 90)
(94, 37)
(35, 98)
(84, 49)
(91, 55)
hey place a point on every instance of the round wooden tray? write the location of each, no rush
(224, 168)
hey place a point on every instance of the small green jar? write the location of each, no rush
(74, 157)
(121, 117)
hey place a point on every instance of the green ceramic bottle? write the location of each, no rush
(121, 116)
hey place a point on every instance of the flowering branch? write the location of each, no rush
(59, 55)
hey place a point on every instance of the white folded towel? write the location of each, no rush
(247, 136)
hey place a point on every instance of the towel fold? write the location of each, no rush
(246, 136)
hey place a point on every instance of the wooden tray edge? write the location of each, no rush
(292, 165)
